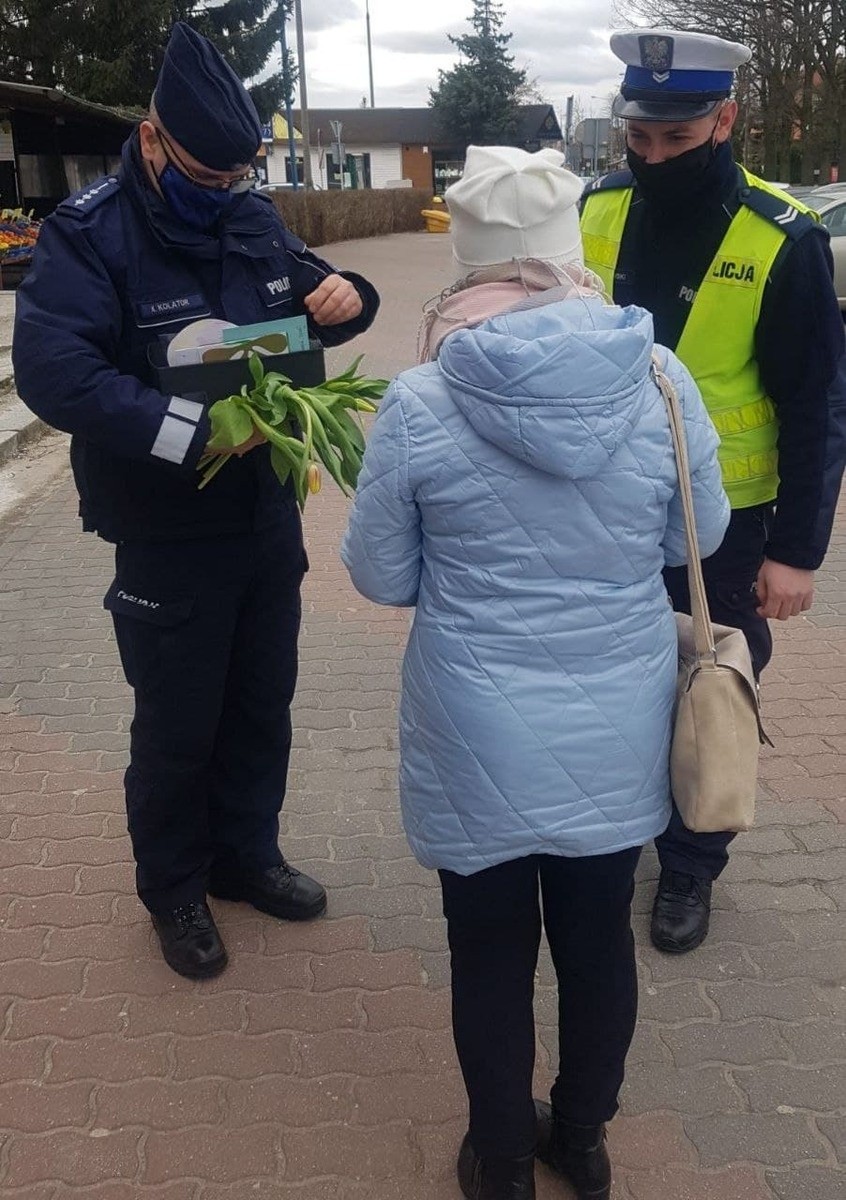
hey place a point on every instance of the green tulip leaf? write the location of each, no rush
(231, 425)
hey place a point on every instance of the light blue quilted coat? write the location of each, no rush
(522, 493)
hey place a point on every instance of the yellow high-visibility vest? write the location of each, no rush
(718, 342)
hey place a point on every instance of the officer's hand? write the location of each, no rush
(783, 591)
(335, 302)
(258, 439)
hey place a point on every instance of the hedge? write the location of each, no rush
(340, 216)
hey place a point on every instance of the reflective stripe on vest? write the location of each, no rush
(718, 342)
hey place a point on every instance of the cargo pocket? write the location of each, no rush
(143, 626)
(735, 603)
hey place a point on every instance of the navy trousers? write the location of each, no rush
(730, 577)
(207, 632)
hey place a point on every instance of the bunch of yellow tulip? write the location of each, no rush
(302, 425)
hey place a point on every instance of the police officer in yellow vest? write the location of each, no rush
(738, 278)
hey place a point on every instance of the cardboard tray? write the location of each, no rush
(214, 381)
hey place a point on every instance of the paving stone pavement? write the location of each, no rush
(320, 1065)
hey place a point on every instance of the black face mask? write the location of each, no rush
(678, 181)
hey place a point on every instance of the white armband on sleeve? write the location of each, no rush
(177, 430)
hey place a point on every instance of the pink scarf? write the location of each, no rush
(494, 290)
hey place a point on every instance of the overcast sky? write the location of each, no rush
(563, 44)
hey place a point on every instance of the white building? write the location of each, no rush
(384, 146)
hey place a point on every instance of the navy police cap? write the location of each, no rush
(672, 75)
(203, 104)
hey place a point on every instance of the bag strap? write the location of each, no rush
(703, 632)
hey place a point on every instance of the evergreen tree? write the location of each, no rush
(478, 100)
(110, 51)
(34, 35)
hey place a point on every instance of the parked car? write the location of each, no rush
(831, 205)
(799, 190)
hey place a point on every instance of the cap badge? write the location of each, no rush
(656, 54)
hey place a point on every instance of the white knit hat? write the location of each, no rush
(510, 204)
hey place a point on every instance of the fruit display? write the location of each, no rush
(18, 235)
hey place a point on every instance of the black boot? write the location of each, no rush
(681, 913)
(280, 891)
(191, 944)
(495, 1178)
(575, 1151)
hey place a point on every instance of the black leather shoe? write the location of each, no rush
(681, 913)
(191, 944)
(495, 1178)
(575, 1151)
(280, 891)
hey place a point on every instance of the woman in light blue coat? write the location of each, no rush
(520, 491)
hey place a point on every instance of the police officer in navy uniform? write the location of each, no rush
(206, 596)
(738, 278)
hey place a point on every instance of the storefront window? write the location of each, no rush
(300, 170)
(447, 171)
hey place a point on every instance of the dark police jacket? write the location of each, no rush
(113, 272)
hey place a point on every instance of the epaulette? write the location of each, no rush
(85, 202)
(779, 210)
(615, 179)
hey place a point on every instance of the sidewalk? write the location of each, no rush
(320, 1066)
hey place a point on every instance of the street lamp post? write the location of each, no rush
(305, 125)
(289, 115)
(602, 125)
(567, 129)
(370, 54)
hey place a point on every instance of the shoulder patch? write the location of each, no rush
(86, 201)
(777, 209)
(616, 179)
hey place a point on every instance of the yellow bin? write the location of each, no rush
(437, 219)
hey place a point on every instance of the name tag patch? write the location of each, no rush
(169, 309)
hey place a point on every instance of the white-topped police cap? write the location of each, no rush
(672, 75)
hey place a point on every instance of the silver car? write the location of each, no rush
(831, 205)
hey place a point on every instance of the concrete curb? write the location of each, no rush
(18, 428)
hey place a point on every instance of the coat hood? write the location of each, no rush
(558, 386)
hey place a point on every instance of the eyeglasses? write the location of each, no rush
(242, 183)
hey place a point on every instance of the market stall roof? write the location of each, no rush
(34, 98)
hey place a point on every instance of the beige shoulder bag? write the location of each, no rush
(718, 731)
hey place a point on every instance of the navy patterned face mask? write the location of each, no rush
(197, 207)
